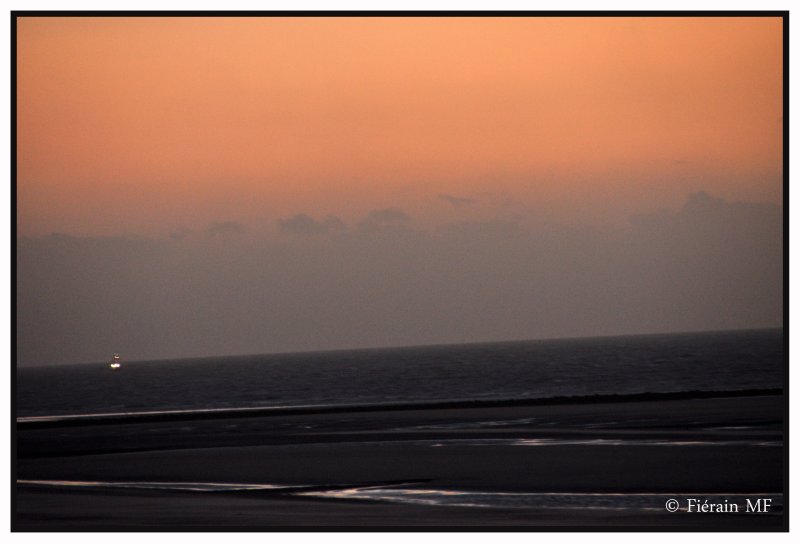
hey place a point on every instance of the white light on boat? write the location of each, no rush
(115, 366)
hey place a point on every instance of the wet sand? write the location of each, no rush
(719, 445)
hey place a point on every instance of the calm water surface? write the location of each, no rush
(524, 369)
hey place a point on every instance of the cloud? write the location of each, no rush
(710, 264)
(302, 224)
(476, 230)
(181, 234)
(457, 201)
(706, 214)
(224, 229)
(378, 219)
(703, 203)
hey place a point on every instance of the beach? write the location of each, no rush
(601, 463)
(395, 271)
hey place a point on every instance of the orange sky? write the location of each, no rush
(148, 125)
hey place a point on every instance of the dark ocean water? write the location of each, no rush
(490, 371)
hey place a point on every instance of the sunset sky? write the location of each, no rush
(149, 126)
(218, 186)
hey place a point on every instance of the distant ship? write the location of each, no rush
(115, 363)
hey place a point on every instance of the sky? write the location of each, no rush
(199, 186)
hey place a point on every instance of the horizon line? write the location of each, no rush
(414, 346)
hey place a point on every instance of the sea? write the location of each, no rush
(707, 361)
